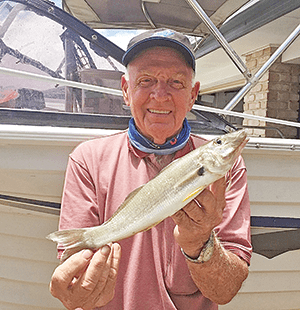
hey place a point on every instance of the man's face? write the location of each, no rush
(159, 92)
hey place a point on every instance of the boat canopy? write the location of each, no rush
(145, 14)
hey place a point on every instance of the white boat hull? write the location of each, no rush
(33, 162)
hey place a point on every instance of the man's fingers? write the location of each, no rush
(87, 279)
(65, 273)
(192, 211)
(109, 289)
(116, 257)
(205, 201)
(91, 283)
(179, 217)
(97, 270)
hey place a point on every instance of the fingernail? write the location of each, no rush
(105, 250)
(87, 254)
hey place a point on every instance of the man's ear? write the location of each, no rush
(194, 94)
(124, 85)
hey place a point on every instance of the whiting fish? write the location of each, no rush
(174, 187)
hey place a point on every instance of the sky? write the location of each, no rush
(117, 36)
(57, 2)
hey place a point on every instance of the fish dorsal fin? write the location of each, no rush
(132, 194)
(172, 163)
(127, 200)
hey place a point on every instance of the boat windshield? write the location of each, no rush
(38, 55)
(57, 71)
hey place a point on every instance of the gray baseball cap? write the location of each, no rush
(160, 37)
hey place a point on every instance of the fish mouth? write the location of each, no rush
(160, 112)
(244, 142)
(241, 142)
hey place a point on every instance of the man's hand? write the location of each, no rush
(221, 277)
(87, 280)
(197, 219)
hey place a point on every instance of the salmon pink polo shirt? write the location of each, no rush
(153, 272)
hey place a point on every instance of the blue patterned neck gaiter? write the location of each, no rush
(147, 146)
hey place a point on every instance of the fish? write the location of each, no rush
(148, 205)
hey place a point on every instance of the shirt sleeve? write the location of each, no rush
(234, 231)
(79, 201)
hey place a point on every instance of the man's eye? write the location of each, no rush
(146, 82)
(176, 84)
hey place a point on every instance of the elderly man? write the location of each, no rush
(194, 260)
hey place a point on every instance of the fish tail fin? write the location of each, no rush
(69, 252)
(73, 240)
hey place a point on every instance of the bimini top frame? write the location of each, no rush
(251, 80)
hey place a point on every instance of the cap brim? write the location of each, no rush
(142, 45)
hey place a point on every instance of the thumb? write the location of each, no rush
(72, 268)
(219, 189)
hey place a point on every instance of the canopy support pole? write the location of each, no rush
(220, 38)
(254, 80)
(251, 80)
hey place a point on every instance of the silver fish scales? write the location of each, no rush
(174, 187)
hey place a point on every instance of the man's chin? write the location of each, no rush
(161, 135)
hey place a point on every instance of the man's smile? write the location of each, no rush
(165, 112)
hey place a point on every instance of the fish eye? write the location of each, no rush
(218, 141)
(201, 171)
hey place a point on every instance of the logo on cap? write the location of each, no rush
(164, 33)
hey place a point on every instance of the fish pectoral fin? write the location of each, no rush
(128, 198)
(125, 202)
(194, 193)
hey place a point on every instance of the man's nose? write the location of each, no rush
(161, 91)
